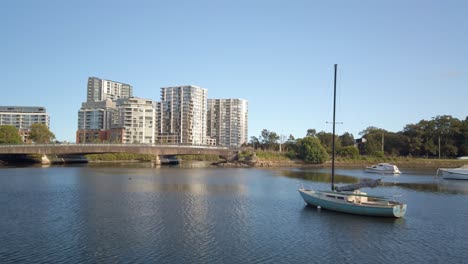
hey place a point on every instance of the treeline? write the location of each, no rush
(443, 136)
(39, 133)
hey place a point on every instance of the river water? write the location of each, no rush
(141, 214)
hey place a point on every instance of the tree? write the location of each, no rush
(349, 152)
(268, 139)
(346, 139)
(373, 144)
(443, 135)
(290, 143)
(311, 151)
(40, 133)
(9, 135)
(311, 133)
(255, 142)
(463, 139)
(327, 141)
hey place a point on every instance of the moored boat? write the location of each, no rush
(454, 173)
(356, 202)
(348, 199)
(385, 168)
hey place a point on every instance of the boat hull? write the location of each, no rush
(382, 171)
(454, 174)
(384, 168)
(314, 199)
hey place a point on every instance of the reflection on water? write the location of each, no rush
(318, 176)
(195, 188)
(438, 186)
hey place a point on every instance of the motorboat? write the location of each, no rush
(348, 198)
(454, 173)
(385, 168)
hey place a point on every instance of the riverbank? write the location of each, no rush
(410, 163)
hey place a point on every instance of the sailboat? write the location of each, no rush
(349, 199)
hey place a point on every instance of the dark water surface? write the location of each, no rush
(121, 214)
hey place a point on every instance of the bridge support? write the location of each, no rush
(157, 160)
(45, 159)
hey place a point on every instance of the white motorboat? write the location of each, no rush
(454, 173)
(383, 168)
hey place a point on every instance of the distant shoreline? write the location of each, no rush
(410, 164)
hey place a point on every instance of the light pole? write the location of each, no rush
(439, 146)
(382, 142)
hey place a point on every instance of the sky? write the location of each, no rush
(398, 61)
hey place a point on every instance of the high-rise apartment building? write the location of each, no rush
(97, 115)
(182, 118)
(100, 90)
(127, 120)
(137, 118)
(22, 117)
(227, 121)
(98, 118)
(95, 121)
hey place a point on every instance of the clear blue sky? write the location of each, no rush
(399, 61)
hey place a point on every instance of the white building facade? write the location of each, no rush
(182, 115)
(227, 121)
(137, 117)
(100, 90)
(22, 117)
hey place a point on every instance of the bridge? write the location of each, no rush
(83, 149)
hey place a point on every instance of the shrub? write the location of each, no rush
(311, 151)
(348, 152)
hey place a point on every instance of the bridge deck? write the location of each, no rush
(153, 149)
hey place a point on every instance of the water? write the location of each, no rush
(89, 214)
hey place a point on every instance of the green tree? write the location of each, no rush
(373, 144)
(426, 136)
(311, 132)
(290, 144)
(348, 152)
(463, 139)
(255, 143)
(346, 139)
(327, 141)
(311, 151)
(40, 133)
(9, 135)
(269, 139)
(414, 134)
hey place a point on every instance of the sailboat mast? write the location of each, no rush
(333, 138)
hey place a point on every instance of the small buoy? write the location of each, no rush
(319, 207)
(129, 178)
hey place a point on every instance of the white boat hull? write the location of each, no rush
(454, 174)
(383, 168)
(382, 171)
(349, 204)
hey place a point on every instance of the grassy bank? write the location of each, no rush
(402, 162)
(198, 157)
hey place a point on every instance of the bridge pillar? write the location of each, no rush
(157, 160)
(45, 159)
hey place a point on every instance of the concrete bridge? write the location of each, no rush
(82, 149)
